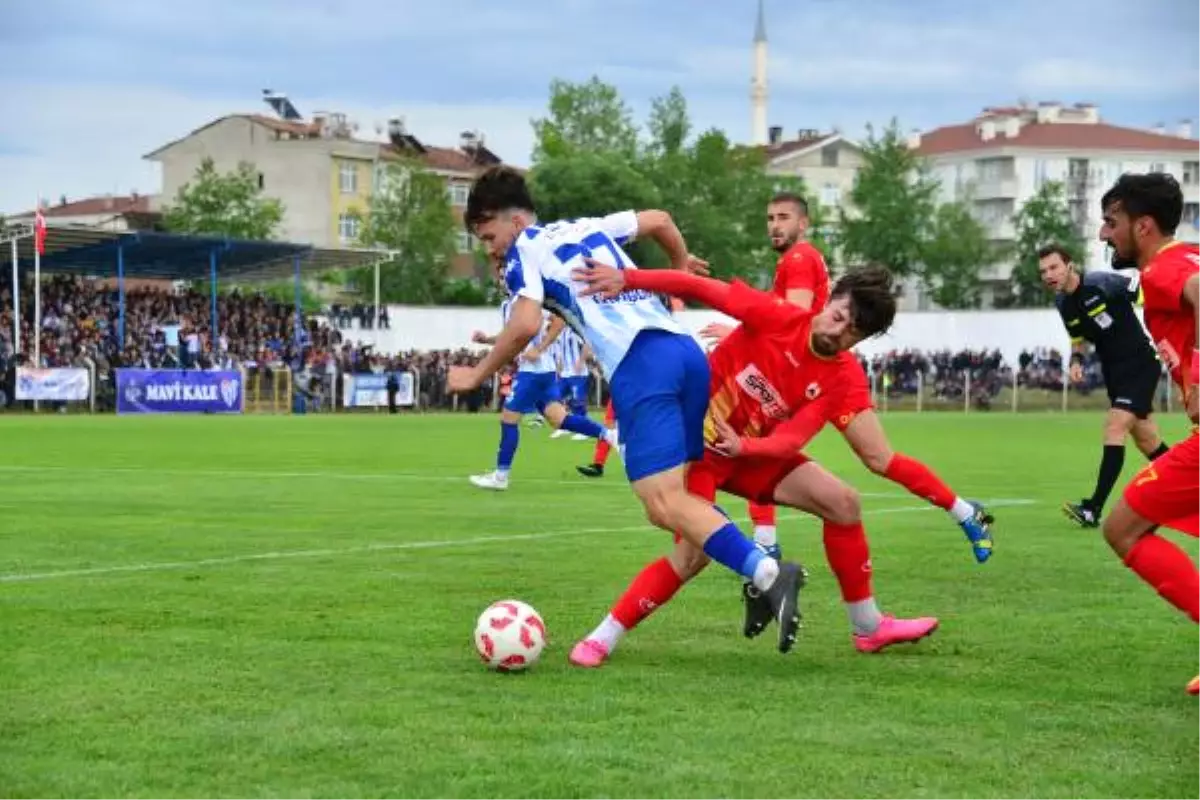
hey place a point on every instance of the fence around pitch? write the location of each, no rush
(1014, 396)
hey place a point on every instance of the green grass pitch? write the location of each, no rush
(283, 606)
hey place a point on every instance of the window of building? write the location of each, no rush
(348, 177)
(261, 181)
(1191, 215)
(458, 194)
(348, 226)
(1191, 172)
(1157, 166)
(831, 194)
(829, 155)
(466, 242)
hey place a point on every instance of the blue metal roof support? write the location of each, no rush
(298, 331)
(121, 294)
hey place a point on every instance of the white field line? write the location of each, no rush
(350, 476)
(279, 555)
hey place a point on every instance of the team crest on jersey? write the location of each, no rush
(812, 391)
(754, 383)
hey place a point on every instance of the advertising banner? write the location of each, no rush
(176, 391)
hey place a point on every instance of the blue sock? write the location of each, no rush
(729, 547)
(577, 423)
(510, 436)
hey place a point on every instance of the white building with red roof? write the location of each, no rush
(1000, 159)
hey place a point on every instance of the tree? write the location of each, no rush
(1044, 219)
(584, 117)
(893, 206)
(229, 204)
(953, 255)
(669, 124)
(410, 213)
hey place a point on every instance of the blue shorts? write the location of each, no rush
(533, 391)
(660, 396)
(574, 389)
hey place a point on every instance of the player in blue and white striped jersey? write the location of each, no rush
(571, 354)
(658, 374)
(535, 387)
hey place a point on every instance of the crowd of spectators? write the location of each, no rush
(169, 326)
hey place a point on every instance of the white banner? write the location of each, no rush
(53, 384)
(370, 390)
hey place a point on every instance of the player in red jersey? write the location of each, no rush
(1141, 213)
(801, 278)
(771, 378)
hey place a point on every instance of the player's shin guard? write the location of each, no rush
(920, 480)
(1169, 570)
(653, 587)
(510, 437)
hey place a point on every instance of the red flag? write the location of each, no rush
(39, 232)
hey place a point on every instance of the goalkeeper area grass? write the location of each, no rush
(283, 606)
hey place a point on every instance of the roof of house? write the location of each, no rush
(794, 146)
(437, 158)
(90, 206)
(1052, 136)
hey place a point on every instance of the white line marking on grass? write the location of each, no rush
(162, 566)
(363, 476)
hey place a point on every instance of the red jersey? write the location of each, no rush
(765, 372)
(1170, 320)
(803, 267)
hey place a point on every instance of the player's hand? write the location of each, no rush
(728, 443)
(716, 331)
(1192, 404)
(600, 279)
(1076, 373)
(479, 337)
(462, 379)
(695, 265)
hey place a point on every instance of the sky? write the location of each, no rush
(90, 86)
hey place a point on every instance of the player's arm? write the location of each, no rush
(785, 441)
(1192, 296)
(626, 226)
(479, 337)
(585, 355)
(736, 300)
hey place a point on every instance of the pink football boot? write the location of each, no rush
(893, 630)
(589, 653)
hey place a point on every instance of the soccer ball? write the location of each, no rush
(510, 636)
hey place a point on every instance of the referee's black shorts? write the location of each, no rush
(1133, 390)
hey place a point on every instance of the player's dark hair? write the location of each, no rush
(1156, 195)
(497, 190)
(872, 294)
(1055, 249)
(791, 197)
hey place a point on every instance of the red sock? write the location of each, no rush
(1169, 570)
(602, 446)
(850, 559)
(762, 515)
(920, 480)
(654, 586)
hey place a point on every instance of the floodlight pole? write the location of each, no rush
(376, 295)
(16, 301)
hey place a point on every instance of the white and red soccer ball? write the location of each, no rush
(510, 636)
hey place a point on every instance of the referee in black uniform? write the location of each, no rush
(1098, 308)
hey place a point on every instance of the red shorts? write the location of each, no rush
(1167, 490)
(855, 397)
(752, 478)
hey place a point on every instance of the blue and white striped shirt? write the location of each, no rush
(568, 348)
(539, 264)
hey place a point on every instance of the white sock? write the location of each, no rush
(502, 474)
(610, 436)
(765, 574)
(765, 535)
(865, 616)
(962, 510)
(609, 632)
